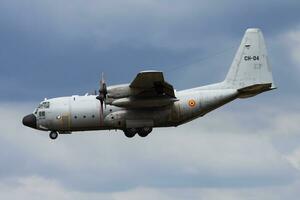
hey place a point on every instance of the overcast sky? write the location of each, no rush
(249, 149)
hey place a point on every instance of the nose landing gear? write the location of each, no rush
(53, 135)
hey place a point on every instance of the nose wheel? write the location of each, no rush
(53, 135)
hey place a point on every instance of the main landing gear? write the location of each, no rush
(53, 135)
(142, 132)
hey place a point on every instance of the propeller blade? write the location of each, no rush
(102, 78)
(102, 96)
(101, 113)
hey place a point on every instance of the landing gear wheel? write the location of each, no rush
(143, 132)
(130, 132)
(53, 135)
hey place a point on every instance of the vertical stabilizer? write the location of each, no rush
(250, 70)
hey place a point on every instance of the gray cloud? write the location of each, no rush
(37, 187)
(42, 42)
(199, 154)
(242, 150)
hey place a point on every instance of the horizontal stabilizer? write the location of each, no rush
(253, 90)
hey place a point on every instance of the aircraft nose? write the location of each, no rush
(30, 121)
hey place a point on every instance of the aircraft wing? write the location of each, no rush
(152, 83)
(148, 89)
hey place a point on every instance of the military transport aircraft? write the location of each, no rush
(149, 101)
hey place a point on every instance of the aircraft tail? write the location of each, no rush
(250, 72)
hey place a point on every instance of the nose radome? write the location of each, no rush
(30, 121)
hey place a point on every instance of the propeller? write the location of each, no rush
(102, 95)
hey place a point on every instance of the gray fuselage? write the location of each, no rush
(82, 113)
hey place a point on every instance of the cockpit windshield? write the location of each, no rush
(44, 104)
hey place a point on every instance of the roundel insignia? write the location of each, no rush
(192, 103)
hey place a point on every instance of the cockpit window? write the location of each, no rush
(42, 113)
(45, 104)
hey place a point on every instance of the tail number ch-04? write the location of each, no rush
(249, 58)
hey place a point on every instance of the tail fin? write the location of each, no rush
(250, 71)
